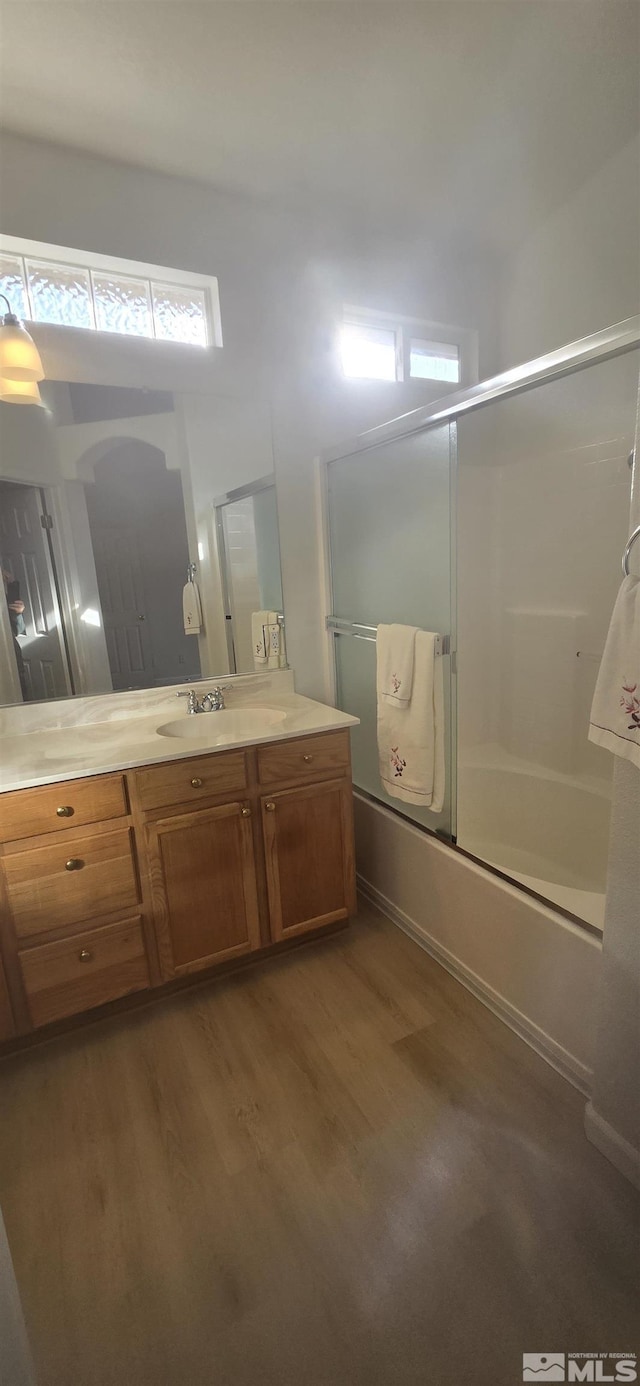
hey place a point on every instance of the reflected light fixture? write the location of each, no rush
(20, 392)
(19, 355)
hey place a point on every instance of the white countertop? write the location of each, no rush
(120, 742)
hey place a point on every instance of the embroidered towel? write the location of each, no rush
(411, 739)
(615, 712)
(191, 609)
(395, 655)
(259, 632)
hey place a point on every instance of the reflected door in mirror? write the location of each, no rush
(30, 593)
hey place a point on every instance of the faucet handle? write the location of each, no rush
(191, 694)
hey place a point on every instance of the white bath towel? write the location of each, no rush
(395, 661)
(191, 609)
(615, 712)
(259, 632)
(411, 739)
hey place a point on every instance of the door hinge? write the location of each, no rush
(46, 521)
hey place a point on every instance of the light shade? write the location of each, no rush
(20, 392)
(19, 355)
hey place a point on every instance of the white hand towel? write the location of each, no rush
(259, 632)
(395, 659)
(615, 712)
(411, 739)
(191, 609)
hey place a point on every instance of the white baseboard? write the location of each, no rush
(614, 1146)
(564, 1062)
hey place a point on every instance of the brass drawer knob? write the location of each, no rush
(196, 782)
(85, 955)
(65, 811)
(307, 758)
(246, 812)
(271, 808)
(73, 864)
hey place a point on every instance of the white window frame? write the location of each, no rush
(406, 330)
(137, 269)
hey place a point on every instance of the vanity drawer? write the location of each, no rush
(72, 880)
(73, 975)
(29, 812)
(187, 781)
(293, 761)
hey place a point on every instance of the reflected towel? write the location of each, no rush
(259, 632)
(273, 640)
(395, 659)
(615, 712)
(411, 739)
(191, 609)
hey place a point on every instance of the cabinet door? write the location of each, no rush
(309, 852)
(7, 1028)
(203, 886)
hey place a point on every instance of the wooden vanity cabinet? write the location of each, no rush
(7, 1027)
(114, 884)
(73, 927)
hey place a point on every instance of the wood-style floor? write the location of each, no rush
(336, 1169)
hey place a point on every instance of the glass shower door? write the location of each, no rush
(544, 488)
(391, 561)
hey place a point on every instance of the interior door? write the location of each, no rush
(116, 552)
(29, 578)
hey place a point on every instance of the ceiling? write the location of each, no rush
(446, 115)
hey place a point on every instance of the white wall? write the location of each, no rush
(613, 1115)
(579, 270)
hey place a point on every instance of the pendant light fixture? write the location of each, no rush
(20, 392)
(19, 355)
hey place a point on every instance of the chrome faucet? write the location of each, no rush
(215, 699)
(191, 694)
(211, 702)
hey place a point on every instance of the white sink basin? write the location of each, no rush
(230, 725)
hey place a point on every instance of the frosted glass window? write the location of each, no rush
(60, 294)
(12, 284)
(122, 305)
(107, 297)
(434, 361)
(180, 314)
(368, 352)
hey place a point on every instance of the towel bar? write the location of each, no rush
(625, 556)
(339, 627)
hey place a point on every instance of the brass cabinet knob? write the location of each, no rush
(246, 812)
(307, 757)
(73, 864)
(84, 955)
(65, 811)
(271, 808)
(196, 782)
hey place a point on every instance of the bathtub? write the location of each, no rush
(545, 830)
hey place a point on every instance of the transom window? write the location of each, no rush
(68, 288)
(378, 347)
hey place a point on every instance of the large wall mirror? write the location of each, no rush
(138, 541)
